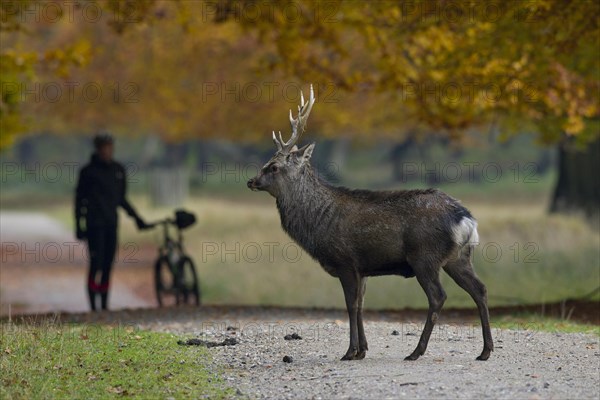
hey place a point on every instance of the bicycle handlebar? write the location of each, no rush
(182, 220)
(161, 222)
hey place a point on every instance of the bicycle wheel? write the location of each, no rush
(189, 285)
(165, 283)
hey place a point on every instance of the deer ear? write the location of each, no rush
(305, 152)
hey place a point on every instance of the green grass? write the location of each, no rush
(555, 257)
(525, 255)
(537, 322)
(51, 360)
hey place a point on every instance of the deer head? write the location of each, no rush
(289, 161)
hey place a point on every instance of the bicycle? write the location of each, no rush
(175, 276)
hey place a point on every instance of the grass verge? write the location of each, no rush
(51, 360)
(530, 321)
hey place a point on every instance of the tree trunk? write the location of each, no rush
(26, 151)
(337, 159)
(169, 187)
(578, 185)
(169, 179)
(399, 155)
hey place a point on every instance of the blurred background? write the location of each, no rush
(496, 103)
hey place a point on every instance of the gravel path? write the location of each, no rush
(525, 364)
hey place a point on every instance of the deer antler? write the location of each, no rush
(298, 123)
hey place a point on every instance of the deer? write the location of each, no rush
(356, 234)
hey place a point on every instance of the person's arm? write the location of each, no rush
(81, 203)
(127, 205)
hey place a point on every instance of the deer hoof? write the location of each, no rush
(412, 357)
(350, 355)
(484, 356)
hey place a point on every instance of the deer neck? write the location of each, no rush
(306, 208)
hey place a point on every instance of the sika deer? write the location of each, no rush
(355, 234)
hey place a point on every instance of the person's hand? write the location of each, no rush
(80, 234)
(141, 224)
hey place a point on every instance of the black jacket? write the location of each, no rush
(100, 190)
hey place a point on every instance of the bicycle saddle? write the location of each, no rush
(184, 219)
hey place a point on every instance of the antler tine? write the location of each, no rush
(277, 142)
(281, 139)
(298, 124)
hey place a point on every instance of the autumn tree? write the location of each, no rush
(526, 66)
(419, 66)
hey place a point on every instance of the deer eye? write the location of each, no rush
(274, 168)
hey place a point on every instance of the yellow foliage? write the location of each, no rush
(191, 66)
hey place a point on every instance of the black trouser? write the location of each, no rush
(102, 244)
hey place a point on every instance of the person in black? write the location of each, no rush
(100, 190)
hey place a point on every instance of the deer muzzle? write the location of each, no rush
(252, 184)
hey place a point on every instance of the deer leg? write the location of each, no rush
(350, 284)
(362, 339)
(463, 274)
(430, 282)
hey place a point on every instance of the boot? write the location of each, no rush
(104, 300)
(92, 297)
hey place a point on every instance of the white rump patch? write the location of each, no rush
(466, 232)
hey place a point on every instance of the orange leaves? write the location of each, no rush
(572, 97)
(197, 65)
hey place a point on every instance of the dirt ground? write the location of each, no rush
(59, 285)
